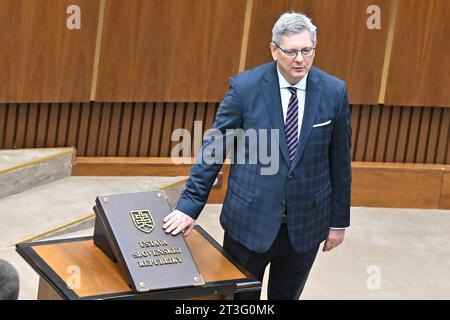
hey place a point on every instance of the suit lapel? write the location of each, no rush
(311, 107)
(271, 92)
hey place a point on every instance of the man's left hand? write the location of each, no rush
(335, 238)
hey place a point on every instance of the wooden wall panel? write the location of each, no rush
(419, 69)
(62, 125)
(372, 133)
(40, 59)
(157, 127)
(445, 192)
(362, 133)
(382, 134)
(185, 50)
(93, 126)
(390, 185)
(419, 127)
(124, 131)
(22, 125)
(442, 152)
(393, 132)
(101, 141)
(73, 124)
(346, 47)
(166, 130)
(83, 137)
(113, 131)
(28, 128)
(264, 15)
(42, 127)
(146, 121)
(135, 129)
(52, 131)
(428, 147)
(96, 129)
(169, 50)
(9, 127)
(400, 134)
(178, 123)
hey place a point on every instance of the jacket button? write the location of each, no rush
(283, 203)
(290, 177)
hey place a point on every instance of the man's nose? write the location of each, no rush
(299, 57)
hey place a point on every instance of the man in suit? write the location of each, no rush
(281, 218)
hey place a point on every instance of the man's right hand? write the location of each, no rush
(177, 221)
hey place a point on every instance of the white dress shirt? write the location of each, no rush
(286, 96)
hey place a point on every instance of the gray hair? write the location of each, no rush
(291, 23)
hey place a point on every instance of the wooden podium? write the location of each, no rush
(58, 262)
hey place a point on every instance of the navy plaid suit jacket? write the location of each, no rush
(314, 190)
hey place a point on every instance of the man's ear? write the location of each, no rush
(273, 51)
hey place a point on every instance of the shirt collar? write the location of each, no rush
(301, 85)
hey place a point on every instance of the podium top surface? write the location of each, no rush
(77, 269)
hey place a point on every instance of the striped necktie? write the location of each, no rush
(291, 124)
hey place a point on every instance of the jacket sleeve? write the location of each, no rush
(340, 165)
(204, 172)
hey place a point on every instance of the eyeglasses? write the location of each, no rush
(292, 53)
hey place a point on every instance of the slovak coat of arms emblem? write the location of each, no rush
(143, 220)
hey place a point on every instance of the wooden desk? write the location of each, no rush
(58, 261)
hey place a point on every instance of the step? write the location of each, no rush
(24, 169)
(49, 208)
